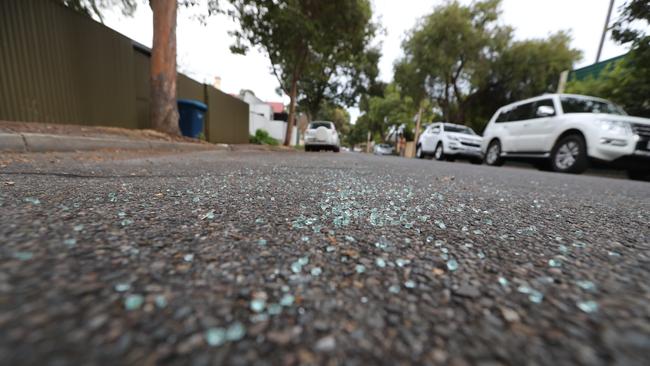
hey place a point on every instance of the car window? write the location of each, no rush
(586, 105)
(521, 113)
(459, 129)
(315, 125)
(503, 117)
(435, 129)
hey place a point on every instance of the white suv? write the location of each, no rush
(446, 141)
(322, 135)
(564, 133)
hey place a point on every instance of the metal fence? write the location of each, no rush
(58, 66)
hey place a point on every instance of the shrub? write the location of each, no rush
(262, 137)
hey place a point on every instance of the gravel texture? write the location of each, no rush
(260, 258)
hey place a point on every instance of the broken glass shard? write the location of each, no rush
(554, 263)
(287, 300)
(535, 296)
(258, 305)
(188, 257)
(23, 256)
(452, 265)
(33, 201)
(133, 302)
(160, 301)
(209, 215)
(316, 271)
(586, 285)
(588, 306)
(360, 268)
(215, 336)
(402, 262)
(235, 332)
(409, 284)
(394, 289)
(274, 309)
(380, 262)
(122, 287)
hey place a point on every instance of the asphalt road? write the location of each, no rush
(259, 258)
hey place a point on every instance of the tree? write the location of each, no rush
(410, 79)
(390, 110)
(627, 82)
(467, 65)
(340, 82)
(449, 50)
(300, 35)
(164, 112)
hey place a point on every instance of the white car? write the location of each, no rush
(447, 141)
(565, 133)
(322, 135)
(382, 149)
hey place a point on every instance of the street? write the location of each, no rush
(257, 257)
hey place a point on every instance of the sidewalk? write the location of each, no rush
(20, 137)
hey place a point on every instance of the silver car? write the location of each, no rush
(383, 149)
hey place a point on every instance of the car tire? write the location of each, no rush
(439, 152)
(336, 149)
(640, 175)
(476, 161)
(543, 166)
(569, 155)
(493, 154)
(418, 152)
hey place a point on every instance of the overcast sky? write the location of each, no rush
(203, 50)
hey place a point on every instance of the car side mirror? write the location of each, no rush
(545, 111)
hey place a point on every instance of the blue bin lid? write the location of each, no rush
(192, 103)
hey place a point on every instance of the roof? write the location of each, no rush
(278, 107)
(594, 70)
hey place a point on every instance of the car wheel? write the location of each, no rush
(336, 149)
(476, 161)
(439, 153)
(493, 155)
(570, 155)
(639, 175)
(418, 152)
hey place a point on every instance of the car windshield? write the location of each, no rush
(315, 125)
(585, 105)
(459, 129)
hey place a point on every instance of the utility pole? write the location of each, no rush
(602, 39)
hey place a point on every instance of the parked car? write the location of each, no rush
(448, 141)
(322, 135)
(567, 133)
(382, 149)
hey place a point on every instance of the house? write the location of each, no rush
(268, 116)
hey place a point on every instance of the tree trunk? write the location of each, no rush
(417, 125)
(164, 113)
(292, 112)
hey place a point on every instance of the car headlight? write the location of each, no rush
(453, 138)
(616, 127)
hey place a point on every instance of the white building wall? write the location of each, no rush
(261, 115)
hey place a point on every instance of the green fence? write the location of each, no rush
(58, 66)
